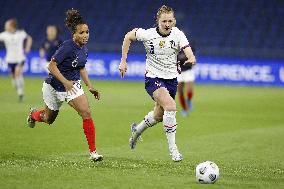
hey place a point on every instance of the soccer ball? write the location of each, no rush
(207, 172)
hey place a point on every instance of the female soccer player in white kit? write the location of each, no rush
(162, 45)
(15, 52)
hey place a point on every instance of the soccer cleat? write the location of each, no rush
(94, 156)
(176, 156)
(30, 120)
(21, 98)
(134, 136)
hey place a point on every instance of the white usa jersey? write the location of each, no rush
(161, 51)
(14, 43)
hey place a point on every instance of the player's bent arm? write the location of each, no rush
(189, 55)
(28, 44)
(128, 38)
(2, 37)
(85, 77)
(52, 67)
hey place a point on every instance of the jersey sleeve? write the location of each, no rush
(24, 34)
(61, 53)
(141, 34)
(183, 42)
(2, 36)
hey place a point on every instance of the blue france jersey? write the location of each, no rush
(50, 47)
(70, 58)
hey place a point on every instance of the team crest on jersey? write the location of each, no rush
(158, 84)
(162, 44)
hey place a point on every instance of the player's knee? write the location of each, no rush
(171, 106)
(18, 73)
(86, 114)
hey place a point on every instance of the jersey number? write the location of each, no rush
(75, 62)
(151, 48)
(172, 44)
(78, 85)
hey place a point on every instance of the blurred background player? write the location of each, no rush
(17, 43)
(185, 82)
(63, 83)
(162, 45)
(50, 44)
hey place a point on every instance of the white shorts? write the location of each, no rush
(186, 76)
(54, 99)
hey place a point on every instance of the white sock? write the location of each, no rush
(13, 82)
(148, 121)
(170, 126)
(20, 84)
(17, 84)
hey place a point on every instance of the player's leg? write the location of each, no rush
(182, 100)
(19, 81)
(81, 105)
(45, 115)
(151, 119)
(189, 80)
(163, 98)
(12, 68)
(53, 101)
(189, 93)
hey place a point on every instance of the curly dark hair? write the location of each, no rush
(73, 19)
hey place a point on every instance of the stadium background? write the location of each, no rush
(240, 128)
(237, 28)
(247, 35)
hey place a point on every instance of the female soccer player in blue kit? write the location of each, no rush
(63, 83)
(162, 45)
(50, 44)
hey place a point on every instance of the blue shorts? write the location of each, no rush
(152, 84)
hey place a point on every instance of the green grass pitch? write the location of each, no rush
(241, 129)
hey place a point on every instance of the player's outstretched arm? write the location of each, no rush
(189, 55)
(128, 38)
(52, 67)
(85, 77)
(28, 44)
